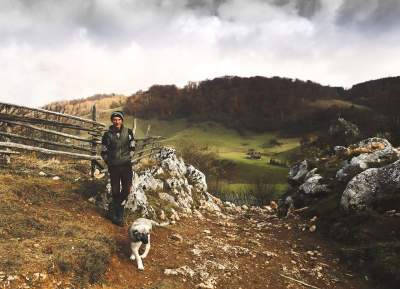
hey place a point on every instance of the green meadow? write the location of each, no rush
(227, 144)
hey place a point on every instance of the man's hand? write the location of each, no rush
(104, 154)
(132, 145)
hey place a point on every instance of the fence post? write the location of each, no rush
(134, 126)
(7, 156)
(94, 145)
(148, 129)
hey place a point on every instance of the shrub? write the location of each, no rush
(204, 159)
(272, 143)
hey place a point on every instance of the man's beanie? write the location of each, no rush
(119, 114)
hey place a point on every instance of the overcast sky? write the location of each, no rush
(57, 50)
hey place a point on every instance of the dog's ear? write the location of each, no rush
(136, 236)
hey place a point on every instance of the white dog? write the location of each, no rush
(139, 232)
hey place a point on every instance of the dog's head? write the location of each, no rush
(142, 237)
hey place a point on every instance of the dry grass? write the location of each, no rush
(83, 107)
(39, 231)
(327, 103)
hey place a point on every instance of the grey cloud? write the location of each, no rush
(55, 23)
(369, 15)
(304, 8)
(308, 8)
(68, 48)
(42, 22)
(208, 7)
(51, 23)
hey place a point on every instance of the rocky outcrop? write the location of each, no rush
(180, 185)
(368, 153)
(197, 178)
(369, 172)
(297, 173)
(306, 184)
(361, 209)
(137, 199)
(371, 185)
(314, 186)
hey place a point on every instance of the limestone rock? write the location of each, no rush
(210, 203)
(184, 270)
(174, 215)
(196, 178)
(170, 162)
(162, 215)
(171, 180)
(137, 199)
(314, 185)
(147, 182)
(176, 237)
(371, 185)
(198, 215)
(298, 172)
(372, 153)
(168, 198)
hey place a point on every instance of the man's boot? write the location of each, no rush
(111, 211)
(119, 214)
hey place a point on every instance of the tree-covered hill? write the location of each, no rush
(260, 104)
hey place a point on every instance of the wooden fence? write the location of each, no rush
(53, 133)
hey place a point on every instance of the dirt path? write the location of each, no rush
(251, 249)
(47, 226)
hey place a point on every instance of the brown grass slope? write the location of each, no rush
(83, 106)
(49, 232)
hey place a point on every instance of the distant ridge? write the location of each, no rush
(260, 103)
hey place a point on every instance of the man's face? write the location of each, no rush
(117, 122)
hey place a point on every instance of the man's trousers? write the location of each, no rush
(121, 182)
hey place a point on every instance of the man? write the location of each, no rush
(117, 143)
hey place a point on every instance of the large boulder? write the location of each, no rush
(369, 153)
(314, 186)
(370, 186)
(170, 163)
(196, 178)
(298, 172)
(137, 199)
(308, 185)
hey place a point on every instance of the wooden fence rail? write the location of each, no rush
(54, 133)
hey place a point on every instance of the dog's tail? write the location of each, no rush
(163, 224)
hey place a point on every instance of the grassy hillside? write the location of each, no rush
(228, 144)
(340, 103)
(84, 106)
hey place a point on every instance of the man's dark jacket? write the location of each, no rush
(117, 145)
